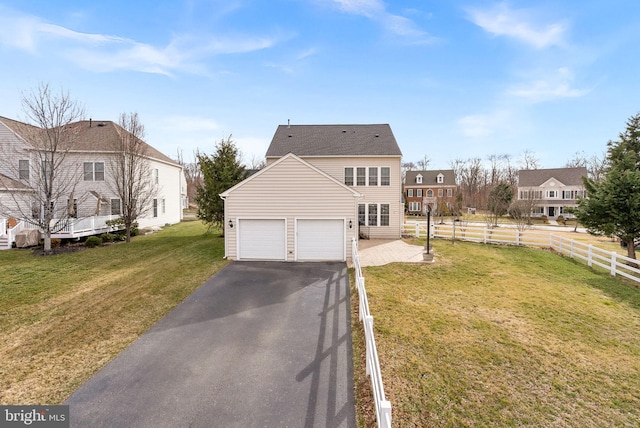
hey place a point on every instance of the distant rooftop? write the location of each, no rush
(537, 177)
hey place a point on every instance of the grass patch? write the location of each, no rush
(503, 336)
(65, 316)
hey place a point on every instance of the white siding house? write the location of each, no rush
(87, 164)
(553, 190)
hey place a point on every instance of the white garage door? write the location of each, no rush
(261, 239)
(320, 239)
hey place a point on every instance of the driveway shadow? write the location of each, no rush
(259, 344)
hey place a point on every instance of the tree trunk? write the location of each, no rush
(47, 243)
(631, 249)
(127, 228)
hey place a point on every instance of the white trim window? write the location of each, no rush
(155, 208)
(164, 206)
(440, 178)
(419, 179)
(415, 206)
(374, 214)
(419, 193)
(115, 207)
(361, 176)
(23, 169)
(385, 176)
(373, 176)
(409, 193)
(94, 171)
(440, 192)
(429, 193)
(348, 176)
(449, 193)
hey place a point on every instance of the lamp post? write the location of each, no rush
(428, 227)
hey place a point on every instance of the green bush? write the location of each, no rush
(107, 237)
(93, 241)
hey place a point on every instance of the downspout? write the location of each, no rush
(224, 226)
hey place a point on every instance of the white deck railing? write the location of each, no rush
(383, 406)
(76, 228)
(613, 262)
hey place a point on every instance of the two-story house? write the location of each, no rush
(429, 188)
(85, 171)
(552, 190)
(323, 185)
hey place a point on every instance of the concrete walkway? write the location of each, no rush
(378, 252)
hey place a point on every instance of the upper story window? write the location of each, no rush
(551, 193)
(419, 193)
(449, 192)
(410, 193)
(440, 192)
(367, 176)
(419, 179)
(440, 178)
(429, 193)
(94, 171)
(385, 176)
(155, 176)
(373, 176)
(348, 176)
(23, 169)
(361, 179)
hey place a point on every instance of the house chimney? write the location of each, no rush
(288, 123)
(89, 122)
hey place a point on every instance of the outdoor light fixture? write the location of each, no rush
(230, 224)
(350, 224)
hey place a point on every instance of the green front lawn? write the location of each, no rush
(63, 317)
(503, 336)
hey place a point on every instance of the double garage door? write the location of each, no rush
(315, 239)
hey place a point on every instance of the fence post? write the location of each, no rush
(417, 229)
(590, 256)
(484, 235)
(571, 251)
(517, 237)
(385, 414)
(613, 263)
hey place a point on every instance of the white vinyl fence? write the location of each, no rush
(615, 263)
(383, 407)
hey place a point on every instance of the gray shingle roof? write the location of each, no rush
(11, 184)
(334, 140)
(536, 177)
(431, 177)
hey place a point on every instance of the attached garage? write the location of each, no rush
(262, 239)
(290, 211)
(320, 239)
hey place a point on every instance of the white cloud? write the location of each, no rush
(98, 52)
(376, 10)
(554, 85)
(501, 20)
(486, 125)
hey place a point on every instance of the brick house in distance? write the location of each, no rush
(432, 187)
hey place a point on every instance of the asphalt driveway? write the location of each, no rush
(260, 344)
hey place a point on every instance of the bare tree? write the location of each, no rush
(520, 211)
(192, 174)
(529, 160)
(132, 178)
(256, 163)
(49, 179)
(423, 163)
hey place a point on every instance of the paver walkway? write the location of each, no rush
(378, 252)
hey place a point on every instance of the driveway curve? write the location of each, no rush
(260, 344)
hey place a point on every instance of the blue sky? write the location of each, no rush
(454, 79)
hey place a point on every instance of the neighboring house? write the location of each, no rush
(553, 190)
(432, 187)
(323, 185)
(87, 159)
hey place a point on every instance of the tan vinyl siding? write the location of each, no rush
(289, 190)
(392, 194)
